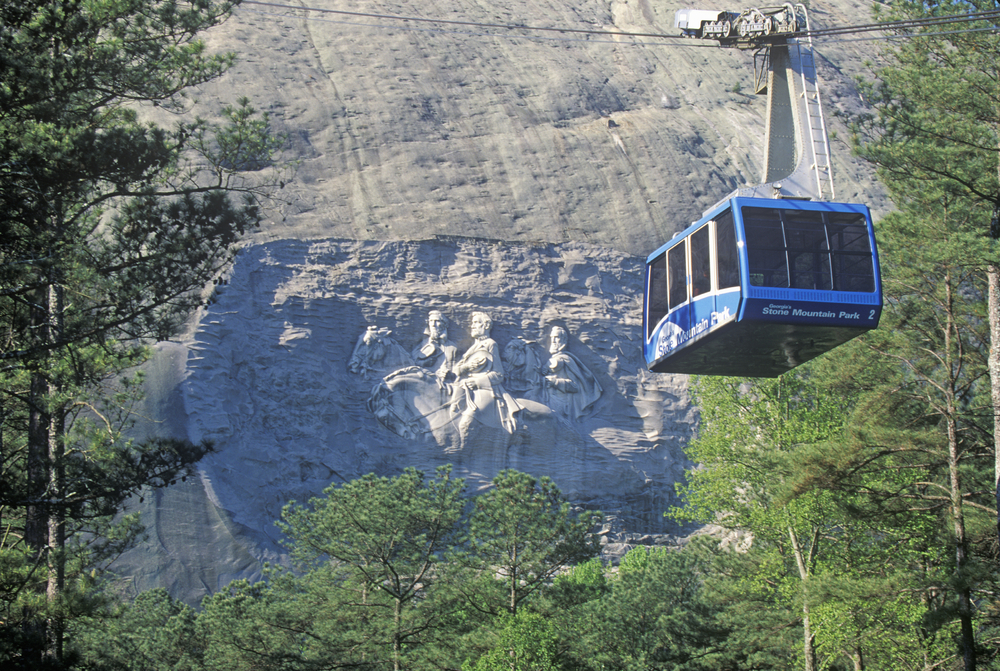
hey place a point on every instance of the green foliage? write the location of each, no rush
(523, 532)
(112, 227)
(934, 137)
(153, 633)
(525, 642)
(99, 469)
(117, 211)
(376, 546)
(819, 473)
(282, 624)
(751, 589)
(383, 578)
(384, 528)
(753, 436)
(935, 121)
(924, 433)
(582, 582)
(656, 614)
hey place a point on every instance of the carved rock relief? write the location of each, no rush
(486, 395)
(275, 374)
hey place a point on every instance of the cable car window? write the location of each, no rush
(701, 262)
(677, 274)
(805, 249)
(768, 263)
(725, 250)
(851, 251)
(656, 293)
(808, 251)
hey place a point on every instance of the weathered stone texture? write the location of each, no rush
(266, 379)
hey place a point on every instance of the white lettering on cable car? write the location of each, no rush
(787, 310)
(673, 336)
(773, 309)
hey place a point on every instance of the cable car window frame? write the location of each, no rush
(677, 275)
(701, 261)
(726, 251)
(829, 266)
(804, 241)
(860, 250)
(656, 293)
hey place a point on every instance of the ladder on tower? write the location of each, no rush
(815, 135)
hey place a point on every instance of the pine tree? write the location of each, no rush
(657, 614)
(936, 128)
(112, 226)
(919, 449)
(524, 642)
(832, 535)
(751, 436)
(522, 533)
(153, 633)
(376, 546)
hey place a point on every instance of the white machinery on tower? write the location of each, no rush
(751, 24)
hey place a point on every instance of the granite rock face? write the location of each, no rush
(266, 377)
(407, 130)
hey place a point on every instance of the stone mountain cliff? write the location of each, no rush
(405, 130)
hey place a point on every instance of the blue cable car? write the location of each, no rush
(759, 286)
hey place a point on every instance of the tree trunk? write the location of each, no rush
(955, 484)
(57, 534)
(993, 315)
(397, 644)
(36, 531)
(808, 637)
(513, 577)
(36, 523)
(45, 527)
(993, 280)
(961, 552)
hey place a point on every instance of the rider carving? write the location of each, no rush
(571, 389)
(437, 354)
(434, 389)
(375, 351)
(478, 392)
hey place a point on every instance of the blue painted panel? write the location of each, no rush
(692, 322)
(809, 312)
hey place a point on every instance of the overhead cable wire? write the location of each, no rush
(885, 38)
(908, 24)
(679, 40)
(454, 22)
(468, 33)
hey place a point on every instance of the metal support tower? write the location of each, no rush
(797, 148)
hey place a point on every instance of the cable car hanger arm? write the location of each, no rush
(796, 148)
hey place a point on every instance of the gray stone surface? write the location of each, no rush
(265, 377)
(411, 130)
